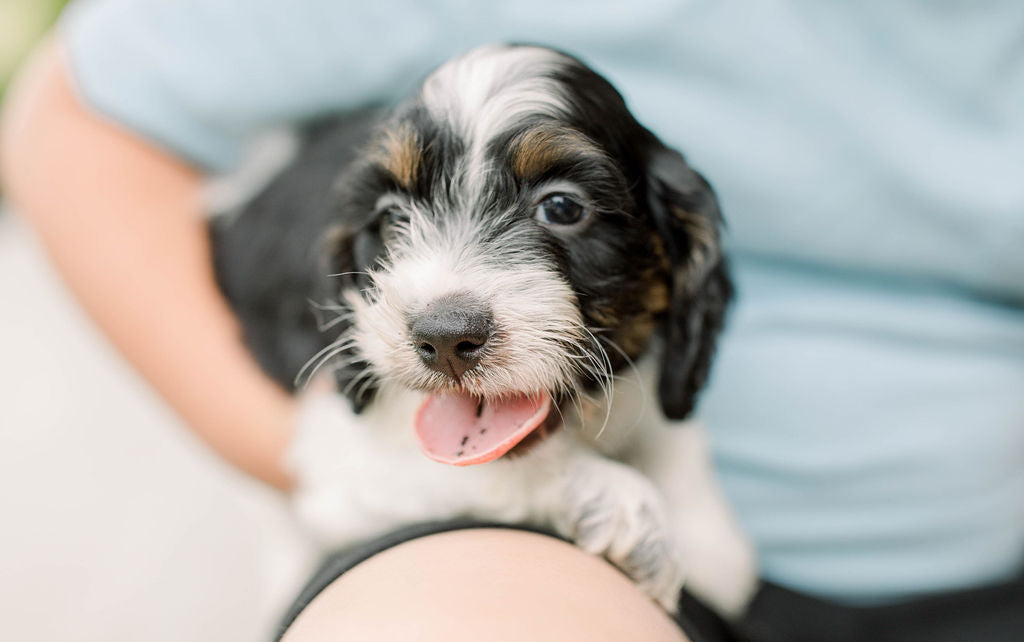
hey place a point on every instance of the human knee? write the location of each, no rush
(493, 584)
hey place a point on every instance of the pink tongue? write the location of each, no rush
(455, 429)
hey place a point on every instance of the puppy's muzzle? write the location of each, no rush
(451, 333)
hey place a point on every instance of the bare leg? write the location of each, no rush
(483, 584)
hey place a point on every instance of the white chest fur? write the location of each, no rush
(361, 475)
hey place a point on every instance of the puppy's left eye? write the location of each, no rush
(394, 216)
(560, 209)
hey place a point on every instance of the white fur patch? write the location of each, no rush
(488, 91)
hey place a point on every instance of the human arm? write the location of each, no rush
(122, 221)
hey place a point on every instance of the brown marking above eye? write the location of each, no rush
(398, 151)
(538, 149)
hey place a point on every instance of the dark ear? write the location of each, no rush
(340, 249)
(275, 259)
(685, 212)
(348, 252)
(277, 281)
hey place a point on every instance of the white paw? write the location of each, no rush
(612, 510)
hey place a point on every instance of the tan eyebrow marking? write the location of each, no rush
(398, 151)
(538, 149)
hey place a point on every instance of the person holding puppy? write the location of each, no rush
(868, 174)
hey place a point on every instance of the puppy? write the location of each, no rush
(516, 289)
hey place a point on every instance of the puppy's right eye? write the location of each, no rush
(391, 219)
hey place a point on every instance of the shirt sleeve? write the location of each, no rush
(198, 77)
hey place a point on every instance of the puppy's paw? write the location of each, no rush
(612, 510)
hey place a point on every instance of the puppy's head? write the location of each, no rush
(513, 236)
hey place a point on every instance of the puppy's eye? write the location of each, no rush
(394, 216)
(560, 209)
(390, 220)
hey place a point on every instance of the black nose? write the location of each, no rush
(450, 334)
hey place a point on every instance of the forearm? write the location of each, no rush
(123, 224)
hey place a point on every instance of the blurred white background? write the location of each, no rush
(117, 524)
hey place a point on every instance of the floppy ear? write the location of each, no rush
(276, 278)
(267, 273)
(343, 252)
(686, 215)
(274, 261)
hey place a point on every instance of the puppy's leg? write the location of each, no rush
(721, 566)
(612, 510)
(719, 560)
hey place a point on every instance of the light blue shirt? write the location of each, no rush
(867, 406)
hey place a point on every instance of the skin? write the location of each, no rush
(471, 585)
(122, 222)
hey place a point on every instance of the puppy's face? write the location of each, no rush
(512, 237)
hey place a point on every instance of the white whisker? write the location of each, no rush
(317, 361)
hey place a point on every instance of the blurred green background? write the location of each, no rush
(22, 23)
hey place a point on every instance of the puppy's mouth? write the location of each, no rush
(461, 430)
